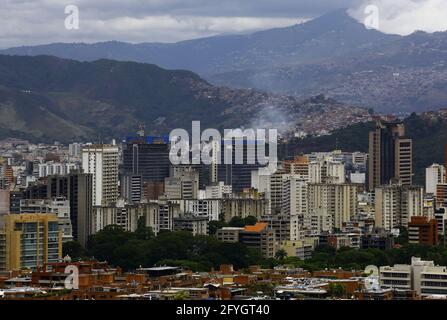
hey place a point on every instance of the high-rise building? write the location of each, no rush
(182, 184)
(59, 206)
(294, 195)
(441, 195)
(29, 241)
(132, 187)
(238, 175)
(78, 189)
(148, 157)
(396, 204)
(390, 155)
(434, 175)
(336, 200)
(422, 230)
(327, 171)
(298, 166)
(102, 162)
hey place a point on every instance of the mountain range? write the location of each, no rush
(334, 55)
(333, 34)
(46, 98)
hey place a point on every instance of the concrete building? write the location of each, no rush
(59, 206)
(286, 227)
(189, 222)
(126, 216)
(421, 276)
(259, 237)
(422, 230)
(390, 155)
(434, 175)
(219, 191)
(337, 200)
(243, 207)
(395, 204)
(228, 234)
(29, 241)
(294, 195)
(102, 162)
(132, 188)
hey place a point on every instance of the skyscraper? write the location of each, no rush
(148, 157)
(78, 189)
(102, 162)
(390, 155)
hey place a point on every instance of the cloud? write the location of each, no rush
(29, 22)
(406, 16)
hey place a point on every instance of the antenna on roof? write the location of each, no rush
(141, 131)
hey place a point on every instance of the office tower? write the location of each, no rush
(395, 204)
(29, 241)
(238, 175)
(390, 155)
(294, 195)
(337, 200)
(102, 162)
(132, 187)
(434, 175)
(78, 189)
(80, 195)
(148, 157)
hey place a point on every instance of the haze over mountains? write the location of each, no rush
(333, 55)
(46, 98)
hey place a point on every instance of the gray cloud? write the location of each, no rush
(29, 22)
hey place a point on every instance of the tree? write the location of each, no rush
(73, 249)
(281, 255)
(143, 232)
(337, 290)
(213, 226)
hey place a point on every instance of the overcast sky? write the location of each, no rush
(29, 22)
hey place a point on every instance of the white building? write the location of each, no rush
(421, 276)
(102, 162)
(396, 204)
(218, 191)
(434, 175)
(294, 195)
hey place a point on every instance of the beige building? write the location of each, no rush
(337, 200)
(29, 241)
(395, 204)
